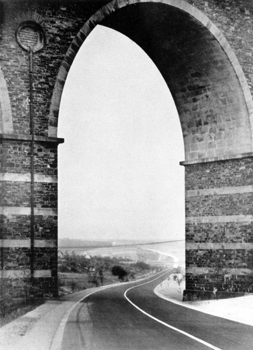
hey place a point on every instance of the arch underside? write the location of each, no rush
(207, 90)
(202, 81)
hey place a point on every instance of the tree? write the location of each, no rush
(120, 272)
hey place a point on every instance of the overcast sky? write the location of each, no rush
(119, 173)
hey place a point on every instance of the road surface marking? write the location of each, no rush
(56, 343)
(163, 323)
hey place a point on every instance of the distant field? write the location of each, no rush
(174, 249)
(124, 252)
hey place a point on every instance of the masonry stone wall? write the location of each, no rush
(219, 225)
(219, 174)
(61, 23)
(15, 214)
(223, 232)
(18, 227)
(220, 205)
(207, 64)
(235, 19)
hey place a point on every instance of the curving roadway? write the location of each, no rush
(130, 316)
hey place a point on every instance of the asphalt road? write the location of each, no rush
(131, 317)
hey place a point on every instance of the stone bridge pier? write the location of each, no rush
(203, 51)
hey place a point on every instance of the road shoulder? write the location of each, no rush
(238, 309)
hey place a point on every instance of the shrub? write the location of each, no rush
(120, 272)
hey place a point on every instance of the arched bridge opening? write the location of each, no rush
(125, 180)
(215, 110)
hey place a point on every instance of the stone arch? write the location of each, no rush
(214, 105)
(6, 126)
(207, 135)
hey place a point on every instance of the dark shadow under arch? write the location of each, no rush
(204, 77)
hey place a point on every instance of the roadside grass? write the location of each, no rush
(68, 283)
(74, 282)
(19, 311)
(76, 273)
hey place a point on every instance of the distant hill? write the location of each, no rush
(74, 243)
(128, 242)
(78, 243)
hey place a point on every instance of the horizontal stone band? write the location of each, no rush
(219, 191)
(21, 138)
(14, 177)
(26, 243)
(218, 246)
(216, 159)
(24, 273)
(208, 270)
(27, 211)
(218, 219)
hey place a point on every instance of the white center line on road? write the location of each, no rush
(56, 343)
(164, 323)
